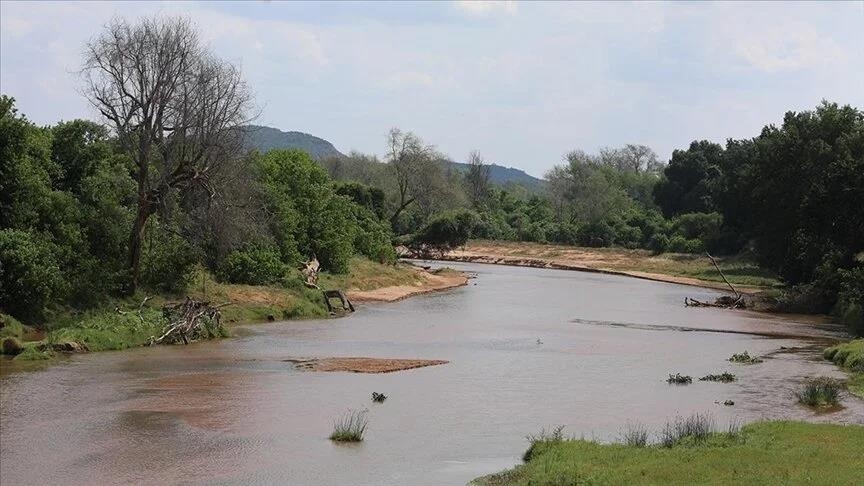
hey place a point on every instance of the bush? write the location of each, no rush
(167, 261)
(659, 243)
(10, 327)
(679, 379)
(30, 276)
(724, 377)
(596, 234)
(848, 355)
(745, 358)
(849, 308)
(11, 346)
(255, 265)
(679, 244)
(447, 230)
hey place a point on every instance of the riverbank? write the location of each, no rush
(684, 269)
(132, 322)
(761, 453)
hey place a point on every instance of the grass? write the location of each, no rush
(679, 379)
(695, 428)
(820, 392)
(103, 328)
(724, 377)
(850, 356)
(635, 435)
(761, 453)
(350, 427)
(745, 358)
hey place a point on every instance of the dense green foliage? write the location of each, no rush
(67, 201)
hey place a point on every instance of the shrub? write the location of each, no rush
(10, 346)
(724, 377)
(9, 326)
(659, 243)
(447, 230)
(255, 265)
(849, 308)
(819, 392)
(596, 234)
(679, 379)
(679, 244)
(350, 427)
(744, 358)
(30, 275)
(167, 261)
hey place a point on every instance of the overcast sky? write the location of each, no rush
(521, 82)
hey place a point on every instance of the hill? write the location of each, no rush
(267, 138)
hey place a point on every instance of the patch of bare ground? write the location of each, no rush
(427, 281)
(362, 365)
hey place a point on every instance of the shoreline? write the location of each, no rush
(590, 260)
(431, 281)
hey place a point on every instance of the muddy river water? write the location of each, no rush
(527, 349)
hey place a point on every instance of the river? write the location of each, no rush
(527, 349)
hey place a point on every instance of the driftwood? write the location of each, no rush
(724, 302)
(140, 309)
(190, 320)
(310, 273)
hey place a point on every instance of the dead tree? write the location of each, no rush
(190, 320)
(724, 302)
(174, 107)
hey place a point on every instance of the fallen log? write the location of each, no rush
(190, 320)
(724, 302)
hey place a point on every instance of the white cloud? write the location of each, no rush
(789, 48)
(486, 7)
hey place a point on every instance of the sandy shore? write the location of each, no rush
(597, 260)
(428, 281)
(363, 365)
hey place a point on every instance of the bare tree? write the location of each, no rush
(477, 179)
(173, 105)
(410, 159)
(631, 157)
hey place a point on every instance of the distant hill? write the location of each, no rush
(268, 138)
(502, 175)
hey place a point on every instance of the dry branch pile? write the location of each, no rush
(725, 302)
(190, 320)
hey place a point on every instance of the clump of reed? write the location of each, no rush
(696, 427)
(635, 435)
(350, 427)
(820, 392)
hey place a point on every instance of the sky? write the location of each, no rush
(523, 83)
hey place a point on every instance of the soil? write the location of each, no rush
(363, 365)
(428, 282)
(598, 260)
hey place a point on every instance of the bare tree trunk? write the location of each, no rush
(135, 243)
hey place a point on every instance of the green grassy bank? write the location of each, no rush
(761, 453)
(850, 356)
(124, 323)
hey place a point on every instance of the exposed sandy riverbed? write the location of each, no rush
(362, 365)
(611, 261)
(428, 281)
